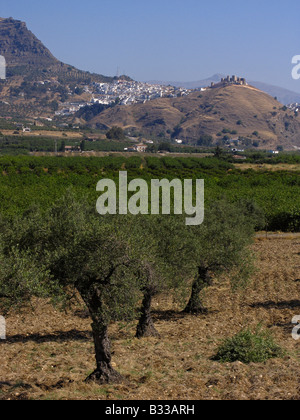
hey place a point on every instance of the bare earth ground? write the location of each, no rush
(268, 167)
(45, 133)
(124, 154)
(48, 354)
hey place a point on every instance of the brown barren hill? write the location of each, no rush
(233, 111)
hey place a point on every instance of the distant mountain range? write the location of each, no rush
(284, 96)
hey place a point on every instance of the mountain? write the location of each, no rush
(21, 48)
(284, 96)
(26, 56)
(224, 112)
(191, 85)
(37, 83)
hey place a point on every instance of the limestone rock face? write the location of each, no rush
(20, 47)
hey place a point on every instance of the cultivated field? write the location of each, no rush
(48, 354)
(44, 133)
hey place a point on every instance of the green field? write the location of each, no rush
(27, 181)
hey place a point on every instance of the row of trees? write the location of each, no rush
(116, 262)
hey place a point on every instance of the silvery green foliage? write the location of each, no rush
(21, 278)
(81, 251)
(222, 242)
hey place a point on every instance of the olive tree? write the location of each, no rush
(159, 241)
(21, 276)
(83, 254)
(220, 245)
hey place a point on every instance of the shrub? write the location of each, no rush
(154, 163)
(248, 346)
(115, 133)
(205, 140)
(134, 162)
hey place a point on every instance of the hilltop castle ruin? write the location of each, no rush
(226, 81)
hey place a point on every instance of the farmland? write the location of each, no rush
(149, 230)
(28, 180)
(48, 352)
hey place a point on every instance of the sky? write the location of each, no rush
(169, 40)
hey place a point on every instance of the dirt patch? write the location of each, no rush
(268, 167)
(45, 133)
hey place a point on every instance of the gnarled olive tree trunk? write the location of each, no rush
(146, 327)
(202, 281)
(104, 372)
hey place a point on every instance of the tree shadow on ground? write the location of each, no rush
(290, 304)
(55, 337)
(8, 389)
(287, 327)
(167, 315)
(4, 384)
(82, 314)
(174, 315)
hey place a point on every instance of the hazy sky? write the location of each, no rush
(177, 40)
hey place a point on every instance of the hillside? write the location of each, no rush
(231, 111)
(21, 48)
(36, 81)
(284, 95)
